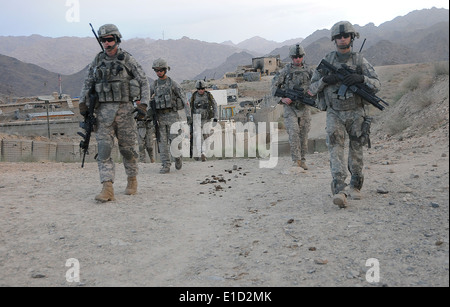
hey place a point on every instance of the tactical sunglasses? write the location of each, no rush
(340, 36)
(159, 69)
(107, 39)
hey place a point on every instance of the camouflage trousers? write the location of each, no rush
(166, 120)
(342, 125)
(298, 125)
(115, 120)
(146, 131)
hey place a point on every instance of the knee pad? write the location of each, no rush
(104, 151)
(129, 153)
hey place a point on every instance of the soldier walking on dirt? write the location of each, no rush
(169, 99)
(117, 78)
(297, 116)
(345, 114)
(146, 131)
(203, 104)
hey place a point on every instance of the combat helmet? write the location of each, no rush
(343, 27)
(109, 29)
(296, 50)
(160, 63)
(200, 84)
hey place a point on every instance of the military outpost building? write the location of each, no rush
(261, 66)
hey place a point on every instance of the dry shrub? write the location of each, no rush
(397, 125)
(412, 82)
(440, 68)
(422, 100)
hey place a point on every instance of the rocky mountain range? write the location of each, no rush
(30, 65)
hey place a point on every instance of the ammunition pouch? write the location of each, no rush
(113, 91)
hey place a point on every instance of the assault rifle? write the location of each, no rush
(359, 89)
(155, 120)
(191, 139)
(88, 124)
(89, 119)
(296, 94)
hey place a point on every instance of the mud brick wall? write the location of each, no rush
(16, 150)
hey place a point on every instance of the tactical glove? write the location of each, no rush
(353, 79)
(331, 79)
(83, 108)
(141, 111)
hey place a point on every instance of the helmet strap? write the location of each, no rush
(343, 47)
(164, 75)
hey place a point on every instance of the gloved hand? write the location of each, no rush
(215, 120)
(141, 111)
(352, 79)
(331, 79)
(189, 120)
(83, 109)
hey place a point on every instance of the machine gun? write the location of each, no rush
(359, 89)
(296, 94)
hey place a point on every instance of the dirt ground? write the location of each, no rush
(261, 227)
(231, 223)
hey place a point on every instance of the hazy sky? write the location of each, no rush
(210, 21)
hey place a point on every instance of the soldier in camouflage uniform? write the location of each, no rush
(117, 79)
(203, 104)
(146, 130)
(297, 116)
(345, 114)
(169, 99)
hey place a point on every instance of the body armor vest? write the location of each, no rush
(163, 94)
(202, 104)
(297, 77)
(112, 78)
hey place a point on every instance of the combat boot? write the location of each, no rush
(178, 163)
(354, 193)
(165, 169)
(356, 184)
(340, 200)
(131, 188)
(302, 164)
(203, 158)
(150, 153)
(107, 193)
